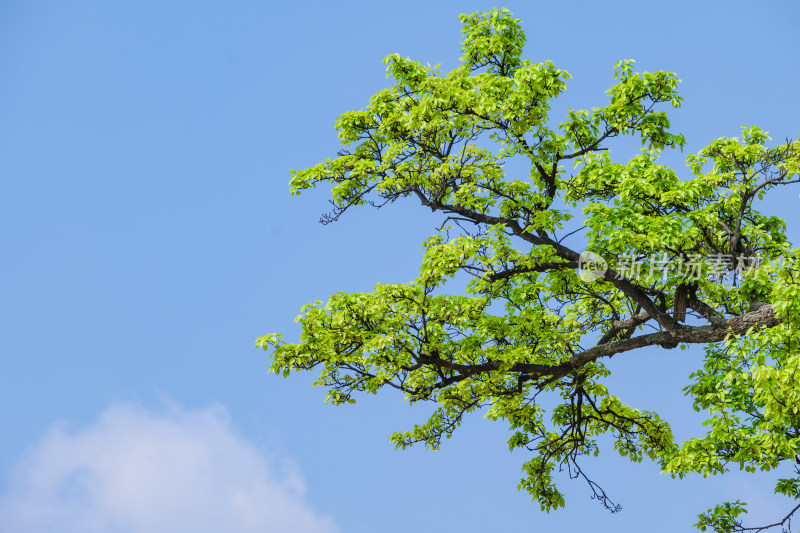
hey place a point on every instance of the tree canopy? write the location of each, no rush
(508, 315)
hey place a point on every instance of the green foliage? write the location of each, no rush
(526, 326)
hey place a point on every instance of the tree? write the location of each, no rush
(672, 262)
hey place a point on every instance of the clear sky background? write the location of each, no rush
(148, 237)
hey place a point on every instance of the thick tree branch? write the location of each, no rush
(762, 317)
(541, 267)
(634, 292)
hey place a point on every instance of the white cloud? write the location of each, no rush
(135, 471)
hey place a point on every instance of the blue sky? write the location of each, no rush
(148, 237)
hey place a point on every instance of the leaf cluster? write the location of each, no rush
(525, 338)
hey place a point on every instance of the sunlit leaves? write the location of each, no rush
(498, 317)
